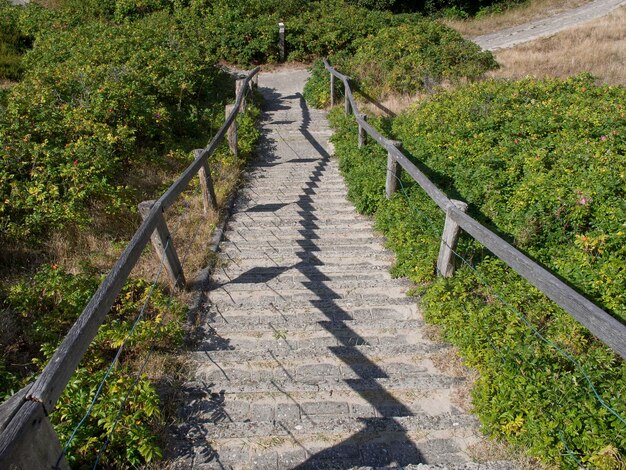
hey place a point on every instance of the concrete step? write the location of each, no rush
(339, 451)
(346, 354)
(284, 339)
(301, 318)
(344, 245)
(299, 233)
(233, 274)
(288, 422)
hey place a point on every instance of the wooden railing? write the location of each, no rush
(27, 440)
(606, 328)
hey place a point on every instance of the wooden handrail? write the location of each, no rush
(602, 325)
(48, 387)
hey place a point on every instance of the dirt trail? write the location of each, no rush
(547, 26)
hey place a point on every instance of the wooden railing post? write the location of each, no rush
(238, 86)
(346, 103)
(449, 240)
(393, 172)
(281, 40)
(164, 246)
(232, 132)
(362, 134)
(332, 90)
(209, 200)
(28, 440)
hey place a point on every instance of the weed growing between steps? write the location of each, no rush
(541, 161)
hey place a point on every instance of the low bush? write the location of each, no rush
(13, 43)
(99, 100)
(542, 162)
(413, 57)
(46, 307)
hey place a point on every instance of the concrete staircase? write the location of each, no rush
(312, 356)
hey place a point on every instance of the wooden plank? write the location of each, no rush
(232, 132)
(30, 441)
(209, 200)
(240, 84)
(281, 41)
(9, 408)
(362, 133)
(164, 246)
(449, 240)
(393, 173)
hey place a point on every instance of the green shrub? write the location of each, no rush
(98, 100)
(544, 161)
(47, 306)
(541, 161)
(13, 43)
(416, 57)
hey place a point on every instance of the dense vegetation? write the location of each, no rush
(13, 44)
(543, 163)
(113, 96)
(404, 59)
(110, 101)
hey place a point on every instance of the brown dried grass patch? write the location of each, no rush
(598, 47)
(521, 14)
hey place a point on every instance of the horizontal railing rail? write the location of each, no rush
(602, 325)
(24, 425)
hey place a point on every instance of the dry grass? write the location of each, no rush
(598, 47)
(4, 84)
(492, 451)
(529, 11)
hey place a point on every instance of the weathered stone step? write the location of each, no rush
(299, 318)
(293, 193)
(263, 180)
(309, 226)
(256, 296)
(313, 369)
(311, 322)
(250, 199)
(327, 306)
(287, 426)
(306, 252)
(289, 286)
(350, 245)
(347, 354)
(285, 339)
(233, 274)
(298, 233)
(326, 384)
(334, 451)
(297, 211)
(306, 328)
(295, 408)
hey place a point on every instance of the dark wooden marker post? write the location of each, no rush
(362, 133)
(209, 200)
(238, 86)
(281, 40)
(232, 132)
(393, 171)
(449, 240)
(164, 250)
